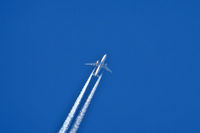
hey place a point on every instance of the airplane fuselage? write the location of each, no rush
(100, 64)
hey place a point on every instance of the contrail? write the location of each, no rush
(85, 106)
(70, 116)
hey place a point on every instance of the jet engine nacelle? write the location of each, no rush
(97, 62)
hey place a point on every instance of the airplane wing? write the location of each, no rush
(107, 69)
(90, 64)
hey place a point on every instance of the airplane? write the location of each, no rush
(100, 65)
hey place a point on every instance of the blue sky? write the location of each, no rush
(153, 50)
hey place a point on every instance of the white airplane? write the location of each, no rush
(100, 65)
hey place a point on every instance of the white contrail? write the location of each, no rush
(70, 116)
(85, 106)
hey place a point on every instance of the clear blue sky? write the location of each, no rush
(153, 50)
